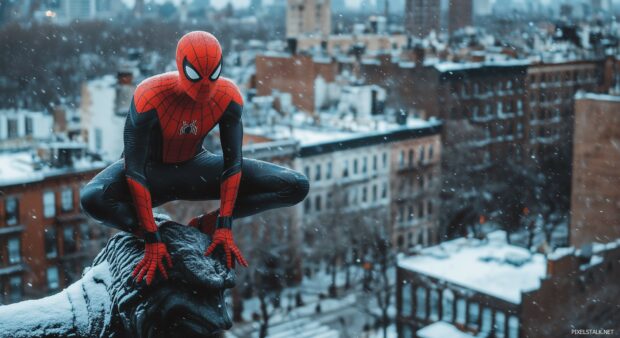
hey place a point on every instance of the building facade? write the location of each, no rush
(422, 17)
(488, 288)
(595, 210)
(308, 17)
(45, 240)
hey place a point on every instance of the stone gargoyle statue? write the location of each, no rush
(106, 302)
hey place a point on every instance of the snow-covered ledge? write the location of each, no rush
(106, 303)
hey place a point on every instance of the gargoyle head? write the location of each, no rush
(188, 304)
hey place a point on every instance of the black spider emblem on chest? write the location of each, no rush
(188, 128)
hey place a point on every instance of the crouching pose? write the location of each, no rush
(169, 117)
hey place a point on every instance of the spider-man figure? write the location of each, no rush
(169, 117)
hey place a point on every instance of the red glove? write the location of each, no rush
(223, 236)
(154, 253)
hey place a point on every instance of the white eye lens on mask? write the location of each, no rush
(191, 73)
(216, 72)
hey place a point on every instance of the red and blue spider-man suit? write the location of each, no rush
(169, 117)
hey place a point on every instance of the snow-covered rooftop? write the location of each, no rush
(25, 167)
(491, 266)
(335, 129)
(595, 96)
(442, 330)
(457, 66)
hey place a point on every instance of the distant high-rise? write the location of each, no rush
(80, 9)
(422, 17)
(460, 13)
(256, 4)
(308, 17)
(138, 8)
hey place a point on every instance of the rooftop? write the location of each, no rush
(26, 167)
(335, 129)
(597, 97)
(442, 330)
(501, 270)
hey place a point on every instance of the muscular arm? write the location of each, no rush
(137, 135)
(231, 137)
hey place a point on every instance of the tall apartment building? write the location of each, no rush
(393, 171)
(550, 110)
(422, 17)
(45, 241)
(460, 14)
(595, 206)
(488, 288)
(308, 17)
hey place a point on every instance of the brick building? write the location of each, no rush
(308, 17)
(295, 74)
(422, 17)
(550, 110)
(460, 14)
(595, 205)
(488, 288)
(45, 240)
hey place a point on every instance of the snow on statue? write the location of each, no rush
(106, 301)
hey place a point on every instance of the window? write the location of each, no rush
(307, 205)
(421, 209)
(329, 200)
(12, 128)
(429, 208)
(384, 190)
(84, 232)
(420, 295)
(474, 314)
(317, 173)
(15, 284)
(447, 303)
(374, 162)
(66, 199)
(421, 151)
(410, 213)
(355, 167)
(384, 160)
(307, 171)
(52, 278)
(406, 300)
(345, 170)
(317, 203)
(434, 300)
(401, 159)
(374, 193)
(98, 138)
(513, 327)
(487, 320)
(51, 248)
(430, 152)
(11, 208)
(49, 204)
(461, 307)
(328, 171)
(364, 165)
(14, 250)
(364, 194)
(499, 326)
(411, 158)
(29, 125)
(68, 236)
(407, 333)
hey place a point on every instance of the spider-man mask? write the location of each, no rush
(199, 60)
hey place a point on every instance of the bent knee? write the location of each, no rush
(91, 200)
(297, 187)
